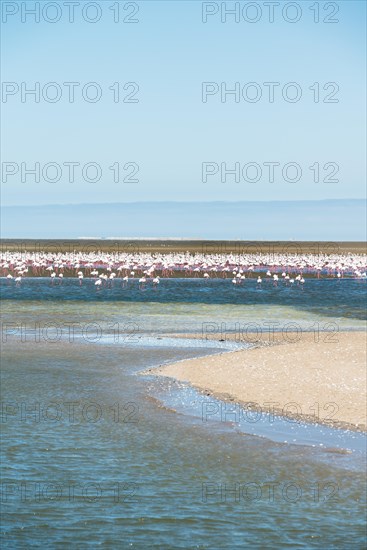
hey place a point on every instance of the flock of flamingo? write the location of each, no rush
(146, 268)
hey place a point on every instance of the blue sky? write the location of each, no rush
(170, 132)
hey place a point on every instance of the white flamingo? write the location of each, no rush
(142, 282)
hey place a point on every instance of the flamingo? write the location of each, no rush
(192, 265)
(142, 282)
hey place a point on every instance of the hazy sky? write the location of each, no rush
(164, 138)
(335, 220)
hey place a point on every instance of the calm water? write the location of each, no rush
(96, 454)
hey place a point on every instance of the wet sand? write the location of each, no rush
(316, 378)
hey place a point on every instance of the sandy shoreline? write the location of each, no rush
(317, 378)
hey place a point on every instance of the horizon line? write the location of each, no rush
(364, 199)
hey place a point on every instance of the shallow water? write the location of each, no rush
(183, 305)
(328, 297)
(96, 454)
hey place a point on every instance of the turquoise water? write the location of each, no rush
(95, 454)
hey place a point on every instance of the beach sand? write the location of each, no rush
(321, 381)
